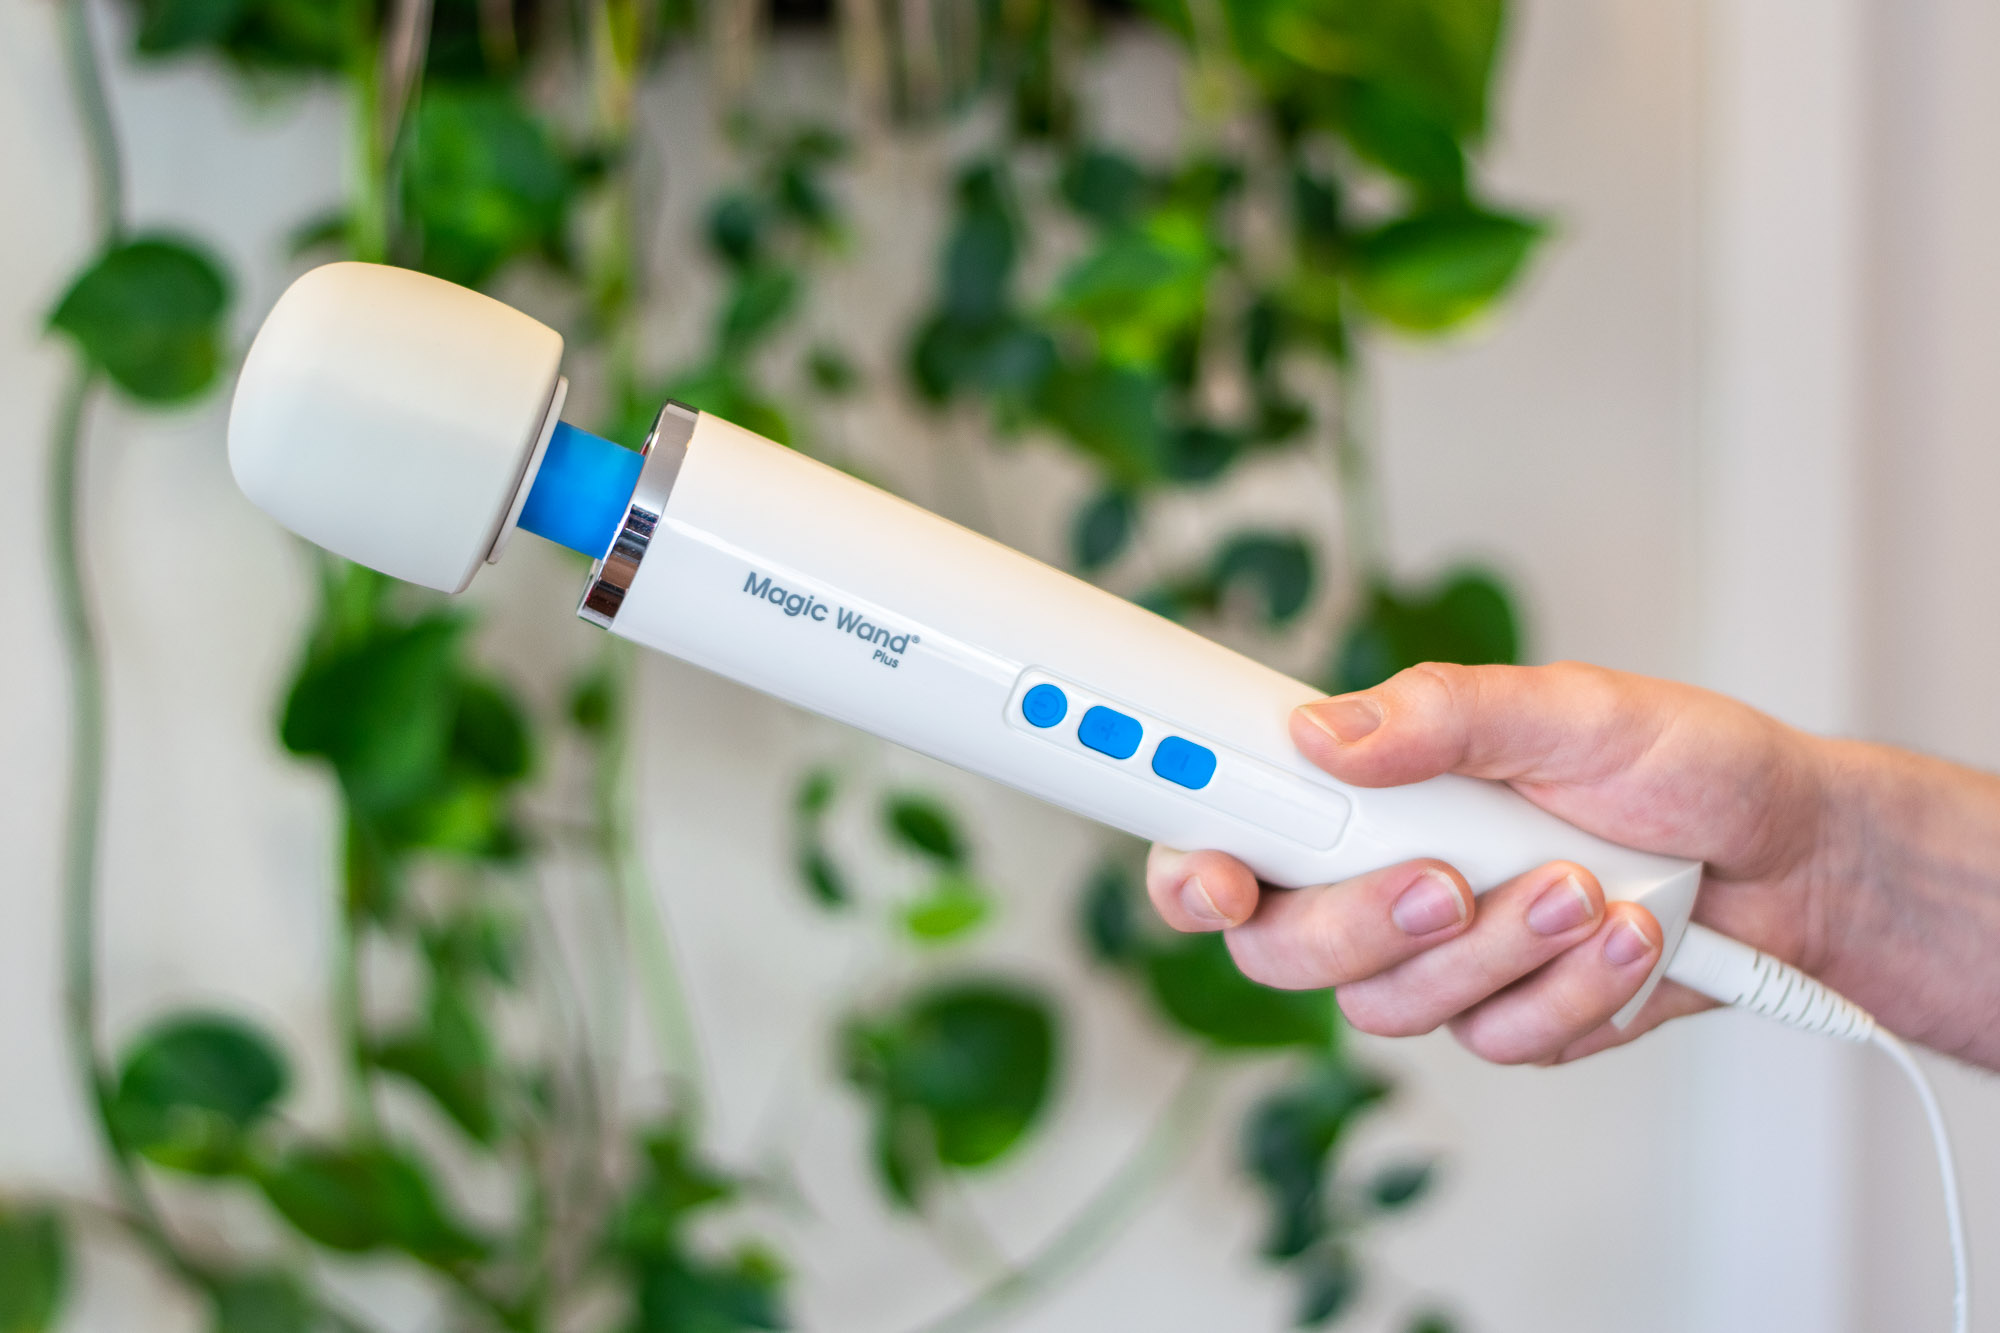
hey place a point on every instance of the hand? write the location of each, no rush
(1533, 970)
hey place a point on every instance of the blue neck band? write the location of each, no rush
(581, 492)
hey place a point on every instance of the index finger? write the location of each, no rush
(1567, 723)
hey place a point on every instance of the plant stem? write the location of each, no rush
(362, 875)
(1102, 1216)
(84, 806)
(83, 825)
(645, 927)
(368, 216)
(107, 169)
(1354, 474)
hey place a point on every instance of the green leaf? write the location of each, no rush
(1139, 291)
(178, 25)
(1004, 357)
(1430, 272)
(191, 1086)
(1110, 926)
(451, 1057)
(471, 818)
(1400, 134)
(1279, 568)
(924, 826)
(1431, 1321)
(758, 303)
(149, 314)
(361, 1198)
(1329, 1282)
(1104, 186)
(980, 253)
(822, 877)
(34, 1268)
(381, 709)
(736, 227)
(1114, 414)
(1289, 1139)
(971, 1061)
(1172, 15)
(485, 183)
(1197, 453)
(1466, 617)
(480, 941)
(593, 703)
(285, 36)
(817, 869)
(688, 1294)
(816, 792)
(673, 1185)
(904, 1153)
(1102, 529)
(1441, 51)
(489, 734)
(263, 1301)
(1401, 1185)
(831, 372)
(327, 230)
(1316, 217)
(802, 194)
(1197, 985)
(954, 906)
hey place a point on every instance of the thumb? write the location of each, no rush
(1563, 723)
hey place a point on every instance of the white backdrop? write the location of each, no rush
(1597, 443)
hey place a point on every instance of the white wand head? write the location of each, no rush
(393, 418)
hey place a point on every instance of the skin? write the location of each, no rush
(1874, 869)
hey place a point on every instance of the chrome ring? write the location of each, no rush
(611, 577)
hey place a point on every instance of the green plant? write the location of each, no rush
(1175, 341)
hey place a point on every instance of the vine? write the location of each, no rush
(1203, 312)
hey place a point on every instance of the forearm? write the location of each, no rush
(1911, 883)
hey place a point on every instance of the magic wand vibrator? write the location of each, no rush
(412, 426)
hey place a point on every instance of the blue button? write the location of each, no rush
(1108, 731)
(1184, 762)
(1045, 705)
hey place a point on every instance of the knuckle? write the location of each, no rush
(1257, 963)
(1335, 955)
(1502, 1042)
(1368, 1009)
(1441, 683)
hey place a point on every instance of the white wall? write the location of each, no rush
(1931, 641)
(1567, 443)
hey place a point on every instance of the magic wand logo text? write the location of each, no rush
(889, 645)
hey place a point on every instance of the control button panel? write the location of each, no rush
(1045, 705)
(1152, 750)
(1108, 731)
(1181, 761)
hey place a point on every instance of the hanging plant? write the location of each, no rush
(489, 135)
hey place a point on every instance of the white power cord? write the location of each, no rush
(1736, 974)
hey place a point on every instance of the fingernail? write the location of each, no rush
(1432, 903)
(1627, 944)
(1563, 906)
(1197, 904)
(1348, 718)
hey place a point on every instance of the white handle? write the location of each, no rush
(774, 570)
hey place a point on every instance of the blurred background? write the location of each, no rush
(450, 969)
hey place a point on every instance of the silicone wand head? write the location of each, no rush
(395, 419)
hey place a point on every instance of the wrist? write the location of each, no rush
(1907, 891)
(1844, 881)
